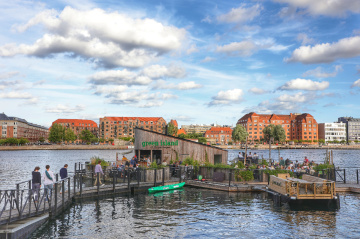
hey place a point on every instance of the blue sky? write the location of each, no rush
(199, 62)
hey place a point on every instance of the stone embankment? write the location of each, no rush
(64, 147)
(266, 146)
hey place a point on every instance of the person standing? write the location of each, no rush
(49, 180)
(36, 183)
(99, 170)
(64, 174)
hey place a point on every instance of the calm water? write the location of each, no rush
(199, 213)
(190, 213)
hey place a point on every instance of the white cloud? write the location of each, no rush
(65, 109)
(304, 39)
(325, 7)
(356, 84)
(110, 90)
(118, 77)
(297, 98)
(95, 35)
(151, 104)
(227, 97)
(249, 47)
(208, 59)
(303, 84)
(158, 71)
(192, 49)
(319, 73)
(7, 75)
(16, 95)
(257, 91)
(136, 97)
(188, 85)
(241, 14)
(326, 52)
(206, 19)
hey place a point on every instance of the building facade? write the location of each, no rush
(116, 127)
(332, 131)
(296, 126)
(78, 125)
(196, 128)
(352, 128)
(14, 127)
(219, 135)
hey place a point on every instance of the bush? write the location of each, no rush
(94, 160)
(324, 166)
(244, 176)
(264, 162)
(154, 165)
(277, 171)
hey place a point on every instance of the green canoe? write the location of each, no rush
(166, 187)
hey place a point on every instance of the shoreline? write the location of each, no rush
(123, 147)
(65, 147)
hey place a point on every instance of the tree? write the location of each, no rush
(102, 140)
(171, 129)
(202, 140)
(275, 132)
(239, 134)
(12, 141)
(56, 133)
(69, 135)
(23, 141)
(111, 140)
(182, 136)
(42, 139)
(86, 136)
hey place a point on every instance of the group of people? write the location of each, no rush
(47, 178)
(287, 164)
(249, 156)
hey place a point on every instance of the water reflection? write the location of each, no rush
(191, 213)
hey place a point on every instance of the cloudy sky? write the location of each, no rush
(199, 62)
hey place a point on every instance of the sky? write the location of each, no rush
(196, 61)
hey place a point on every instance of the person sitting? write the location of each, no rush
(249, 156)
(255, 156)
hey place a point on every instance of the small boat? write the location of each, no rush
(166, 187)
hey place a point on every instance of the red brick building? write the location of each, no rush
(78, 125)
(14, 127)
(219, 135)
(296, 126)
(116, 127)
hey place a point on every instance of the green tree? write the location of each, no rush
(239, 134)
(171, 129)
(86, 136)
(102, 140)
(23, 141)
(69, 135)
(182, 136)
(57, 133)
(275, 132)
(42, 139)
(111, 140)
(202, 140)
(12, 141)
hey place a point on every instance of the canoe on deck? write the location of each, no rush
(166, 187)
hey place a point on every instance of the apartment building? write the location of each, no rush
(332, 131)
(78, 125)
(352, 128)
(219, 135)
(197, 128)
(296, 126)
(15, 127)
(115, 127)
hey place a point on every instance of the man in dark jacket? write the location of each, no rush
(63, 172)
(36, 183)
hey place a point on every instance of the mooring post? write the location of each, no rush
(334, 174)
(155, 178)
(98, 182)
(56, 198)
(138, 176)
(79, 165)
(128, 179)
(104, 177)
(75, 175)
(63, 192)
(179, 174)
(80, 175)
(357, 176)
(17, 195)
(68, 189)
(75, 166)
(114, 176)
(230, 175)
(163, 178)
(344, 176)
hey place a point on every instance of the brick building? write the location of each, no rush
(78, 125)
(14, 127)
(219, 135)
(115, 127)
(296, 126)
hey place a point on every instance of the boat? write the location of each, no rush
(166, 187)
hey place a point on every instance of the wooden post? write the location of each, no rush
(69, 188)
(344, 176)
(80, 175)
(155, 175)
(179, 174)
(56, 198)
(114, 176)
(128, 179)
(98, 182)
(63, 192)
(163, 176)
(75, 176)
(357, 176)
(230, 175)
(245, 157)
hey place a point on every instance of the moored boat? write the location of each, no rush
(166, 187)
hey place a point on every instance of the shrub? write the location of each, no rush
(264, 162)
(324, 166)
(154, 165)
(244, 176)
(277, 171)
(94, 160)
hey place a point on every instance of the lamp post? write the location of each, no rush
(245, 150)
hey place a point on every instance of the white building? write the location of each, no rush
(332, 131)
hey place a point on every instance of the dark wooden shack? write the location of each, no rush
(160, 147)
